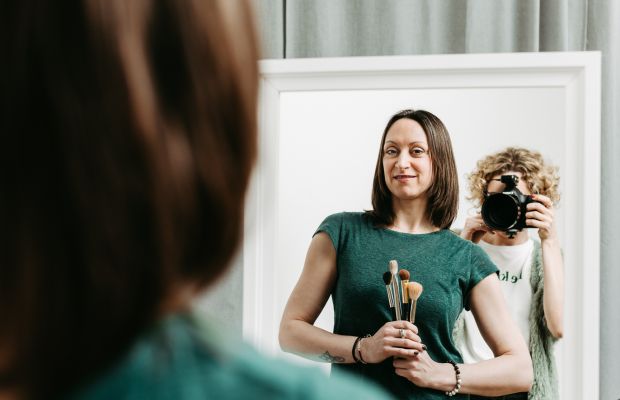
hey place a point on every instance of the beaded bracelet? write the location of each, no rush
(457, 387)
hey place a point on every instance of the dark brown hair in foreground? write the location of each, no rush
(128, 136)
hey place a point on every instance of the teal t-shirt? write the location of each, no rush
(447, 266)
(184, 358)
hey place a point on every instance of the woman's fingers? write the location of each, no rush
(407, 352)
(404, 363)
(402, 372)
(474, 229)
(396, 326)
(540, 208)
(542, 199)
(540, 215)
(407, 334)
(394, 339)
(401, 339)
(403, 343)
(536, 215)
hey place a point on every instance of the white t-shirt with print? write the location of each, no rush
(514, 264)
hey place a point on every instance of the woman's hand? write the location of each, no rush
(540, 215)
(424, 372)
(475, 229)
(394, 339)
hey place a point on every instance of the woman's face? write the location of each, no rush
(407, 165)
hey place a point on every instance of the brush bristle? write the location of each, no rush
(415, 290)
(411, 289)
(393, 267)
(387, 277)
(404, 275)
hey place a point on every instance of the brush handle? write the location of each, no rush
(406, 311)
(397, 300)
(397, 312)
(390, 295)
(412, 315)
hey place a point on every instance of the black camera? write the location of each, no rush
(505, 211)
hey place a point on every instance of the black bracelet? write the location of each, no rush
(359, 348)
(457, 387)
(357, 361)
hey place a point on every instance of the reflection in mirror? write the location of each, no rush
(321, 123)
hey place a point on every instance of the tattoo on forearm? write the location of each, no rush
(332, 359)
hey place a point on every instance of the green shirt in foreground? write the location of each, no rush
(447, 266)
(183, 358)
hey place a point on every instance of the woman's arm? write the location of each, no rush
(299, 335)
(511, 369)
(509, 372)
(540, 215)
(553, 294)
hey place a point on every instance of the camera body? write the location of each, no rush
(505, 211)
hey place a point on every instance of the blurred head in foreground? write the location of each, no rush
(128, 136)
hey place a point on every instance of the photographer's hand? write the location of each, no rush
(475, 229)
(540, 215)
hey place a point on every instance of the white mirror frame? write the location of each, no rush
(577, 74)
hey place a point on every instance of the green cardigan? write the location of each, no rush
(545, 384)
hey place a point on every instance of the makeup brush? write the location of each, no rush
(387, 278)
(393, 268)
(414, 290)
(404, 275)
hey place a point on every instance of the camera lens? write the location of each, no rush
(500, 211)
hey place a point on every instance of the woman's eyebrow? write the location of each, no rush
(411, 143)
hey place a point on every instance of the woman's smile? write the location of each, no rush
(404, 178)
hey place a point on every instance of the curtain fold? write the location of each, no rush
(270, 26)
(339, 28)
(603, 33)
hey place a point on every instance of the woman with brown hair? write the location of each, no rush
(414, 198)
(128, 137)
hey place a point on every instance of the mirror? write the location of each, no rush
(321, 121)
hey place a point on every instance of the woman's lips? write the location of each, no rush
(404, 177)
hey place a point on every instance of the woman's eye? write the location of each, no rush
(391, 152)
(418, 151)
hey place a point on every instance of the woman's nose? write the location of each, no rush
(403, 161)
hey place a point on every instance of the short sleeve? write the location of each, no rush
(480, 266)
(331, 225)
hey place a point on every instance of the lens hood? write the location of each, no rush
(505, 211)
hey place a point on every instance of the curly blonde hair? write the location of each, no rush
(540, 178)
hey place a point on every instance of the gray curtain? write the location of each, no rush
(337, 28)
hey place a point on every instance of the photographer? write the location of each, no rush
(531, 272)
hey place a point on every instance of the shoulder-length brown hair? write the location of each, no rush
(443, 195)
(128, 136)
